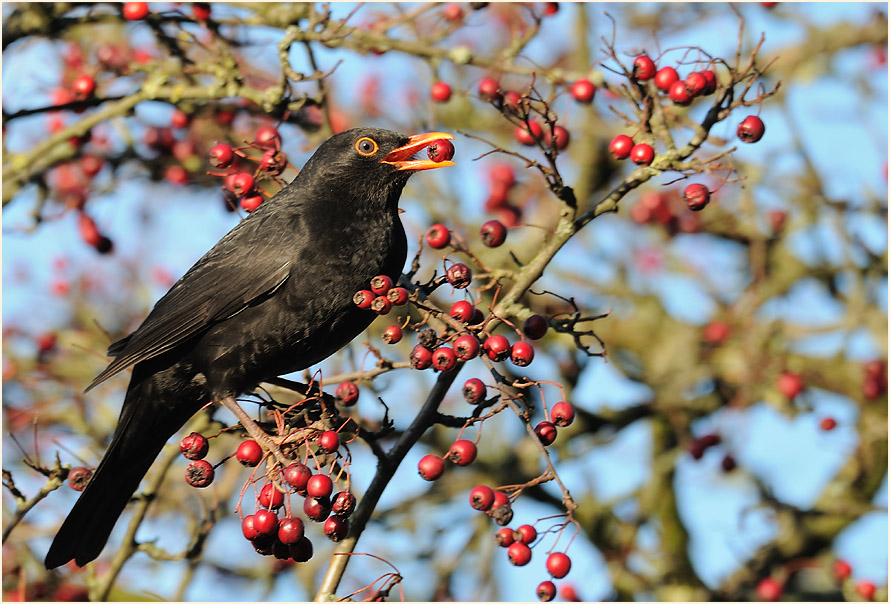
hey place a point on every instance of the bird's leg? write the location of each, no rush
(254, 430)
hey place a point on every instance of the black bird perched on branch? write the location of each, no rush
(273, 296)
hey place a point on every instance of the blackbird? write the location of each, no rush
(273, 296)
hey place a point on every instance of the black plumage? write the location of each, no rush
(273, 296)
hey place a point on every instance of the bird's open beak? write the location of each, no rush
(401, 157)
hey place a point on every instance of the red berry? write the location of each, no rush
(513, 101)
(363, 298)
(696, 83)
(381, 284)
(430, 467)
(194, 446)
(317, 508)
(644, 68)
(642, 154)
(273, 162)
(437, 236)
(489, 89)
(83, 86)
(551, 8)
(392, 334)
(697, 196)
(567, 592)
(842, 569)
(328, 441)
(421, 357)
(711, 439)
(336, 528)
(583, 91)
(497, 348)
(346, 394)
(176, 174)
(91, 165)
(526, 534)
(462, 452)
(504, 536)
(535, 327)
(240, 184)
(343, 503)
(466, 347)
(248, 529)
(558, 565)
(46, 342)
(459, 275)
(665, 78)
(621, 146)
(440, 150)
(249, 453)
(546, 591)
(319, 485)
(270, 497)
(711, 80)
(250, 203)
(751, 129)
(875, 370)
(290, 530)
(199, 473)
(866, 589)
(221, 156)
(790, 384)
(474, 391)
(134, 11)
(462, 310)
(268, 137)
(519, 554)
(828, 423)
(769, 590)
(297, 475)
(481, 498)
(500, 499)
(179, 119)
(728, 463)
(716, 332)
(546, 432)
(79, 477)
(529, 134)
(398, 296)
(440, 92)
(562, 414)
(679, 94)
(444, 358)
(522, 354)
(265, 522)
(560, 135)
(493, 233)
(503, 175)
(201, 11)
(301, 551)
(453, 12)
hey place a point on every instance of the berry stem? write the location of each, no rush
(254, 430)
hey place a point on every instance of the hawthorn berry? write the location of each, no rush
(529, 134)
(444, 358)
(267, 137)
(265, 522)
(91, 165)
(240, 184)
(504, 536)
(392, 334)
(711, 80)
(79, 477)
(866, 589)
(583, 91)
(428, 339)
(194, 446)
(696, 83)
(481, 498)
(697, 196)
(89, 232)
(336, 528)
(513, 101)
(453, 12)
(201, 11)
(346, 394)
(328, 441)
(290, 530)
(728, 463)
(134, 11)
(381, 305)
(250, 203)
(535, 327)
(462, 452)
(560, 136)
(621, 146)
(522, 354)
(440, 150)
(317, 509)
(199, 473)
(501, 511)
(297, 475)
(248, 529)
(466, 347)
(221, 156)
(363, 298)
(83, 86)
(842, 569)
(665, 78)
(546, 432)
(546, 591)
(562, 414)
(430, 467)
(493, 234)
(558, 565)
(497, 347)
(343, 503)
(270, 497)
(769, 590)
(519, 554)
(459, 275)
(642, 154)
(716, 332)
(440, 92)
(526, 534)
(462, 311)
(273, 162)
(421, 357)
(398, 296)
(568, 593)
(474, 391)
(249, 453)
(489, 89)
(751, 129)
(179, 119)
(301, 551)
(176, 174)
(644, 68)
(319, 485)
(438, 236)
(790, 384)
(679, 94)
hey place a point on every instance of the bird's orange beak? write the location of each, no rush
(401, 158)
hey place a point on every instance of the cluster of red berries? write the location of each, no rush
(666, 209)
(770, 589)
(875, 382)
(623, 146)
(241, 185)
(382, 296)
(502, 179)
(518, 544)
(462, 453)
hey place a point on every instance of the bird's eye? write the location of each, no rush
(366, 146)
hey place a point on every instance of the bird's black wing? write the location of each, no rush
(246, 264)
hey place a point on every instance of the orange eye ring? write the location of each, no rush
(366, 146)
